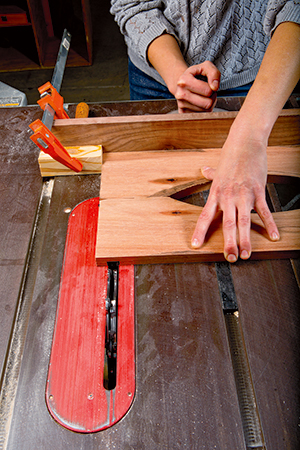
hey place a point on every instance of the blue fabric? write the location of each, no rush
(240, 91)
(144, 87)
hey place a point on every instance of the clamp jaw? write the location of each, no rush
(50, 96)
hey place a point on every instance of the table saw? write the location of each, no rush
(216, 346)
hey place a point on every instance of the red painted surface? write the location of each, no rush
(12, 16)
(75, 394)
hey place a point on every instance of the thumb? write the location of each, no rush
(213, 79)
(208, 172)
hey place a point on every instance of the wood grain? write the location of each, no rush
(167, 131)
(89, 155)
(139, 222)
(159, 229)
(169, 173)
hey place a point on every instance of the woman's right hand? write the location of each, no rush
(196, 88)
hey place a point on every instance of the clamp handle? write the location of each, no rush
(48, 143)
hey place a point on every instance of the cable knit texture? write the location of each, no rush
(233, 34)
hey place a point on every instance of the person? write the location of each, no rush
(190, 50)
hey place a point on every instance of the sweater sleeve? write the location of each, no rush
(141, 22)
(279, 11)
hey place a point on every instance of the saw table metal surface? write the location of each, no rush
(188, 393)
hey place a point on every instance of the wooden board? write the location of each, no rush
(159, 229)
(90, 157)
(173, 173)
(166, 131)
(176, 177)
(139, 223)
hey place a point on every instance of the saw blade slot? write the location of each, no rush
(111, 307)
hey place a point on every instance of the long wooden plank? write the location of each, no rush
(166, 173)
(159, 229)
(168, 131)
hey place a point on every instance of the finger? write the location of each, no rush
(267, 218)
(188, 100)
(209, 70)
(229, 233)
(244, 226)
(188, 108)
(244, 206)
(208, 172)
(188, 82)
(205, 219)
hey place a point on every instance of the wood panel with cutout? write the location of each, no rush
(139, 222)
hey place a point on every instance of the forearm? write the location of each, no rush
(192, 93)
(276, 79)
(165, 56)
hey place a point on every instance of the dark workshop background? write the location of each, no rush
(105, 80)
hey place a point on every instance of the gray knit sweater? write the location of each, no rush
(233, 34)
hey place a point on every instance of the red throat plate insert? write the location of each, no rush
(75, 392)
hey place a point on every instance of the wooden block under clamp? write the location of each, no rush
(90, 157)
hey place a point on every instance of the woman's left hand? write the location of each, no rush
(238, 187)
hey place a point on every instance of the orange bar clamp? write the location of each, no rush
(53, 105)
(43, 137)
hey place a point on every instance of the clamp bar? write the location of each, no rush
(57, 77)
(59, 69)
(48, 117)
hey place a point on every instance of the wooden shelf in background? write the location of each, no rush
(11, 59)
(13, 16)
(50, 54)
(30, 39)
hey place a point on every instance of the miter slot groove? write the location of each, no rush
(248, 408)
(10, 377)
(252, 429)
